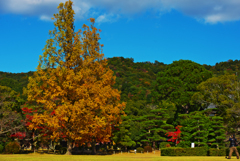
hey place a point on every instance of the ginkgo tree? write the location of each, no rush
(73, 85)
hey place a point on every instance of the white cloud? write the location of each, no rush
(214, 18)
(42, 8)
(45, 18)
(102, 18)
(107, 18)
(211, 11)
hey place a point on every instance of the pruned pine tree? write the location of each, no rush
(121, 135)
(195, 128)
(73, 84)
(202, 129)
(155, 126)
(186, 122)
(200, 123)
(216, 132)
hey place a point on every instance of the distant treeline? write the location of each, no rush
(129, 75)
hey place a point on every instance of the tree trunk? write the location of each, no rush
(32, 143)
(48, 148)
(93, 143)
(126, 148)
(69, 147)
(154, 145)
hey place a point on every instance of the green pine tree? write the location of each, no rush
(199, 132)
(186, 122)
(122, 134)
(216, 135)
(195, 128)
(155, 126)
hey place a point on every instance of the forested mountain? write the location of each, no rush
(223, 67)
(133, 79)
(16, 81)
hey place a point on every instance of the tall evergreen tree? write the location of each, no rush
(155, 126)
(122, 135)
(216, 132)
(186, 122)
(199, 131)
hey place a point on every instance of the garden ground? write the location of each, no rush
(115, 157)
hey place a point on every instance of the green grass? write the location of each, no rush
(115, 157)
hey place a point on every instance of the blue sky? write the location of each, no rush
(205, 32)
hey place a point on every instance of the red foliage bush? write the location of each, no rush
(175, 135)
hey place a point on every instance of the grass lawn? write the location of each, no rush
(115, 157)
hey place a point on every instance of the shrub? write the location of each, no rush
(12, 148)
(147, 149)
(217, 152)
(177, 151)
(140, 149)
(168, 151)
(1, 148)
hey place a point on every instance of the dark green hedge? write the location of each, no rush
(177, 151)
(218, 152)
(202, 151)
(221, 152)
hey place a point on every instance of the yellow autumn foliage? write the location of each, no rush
(73, 81)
